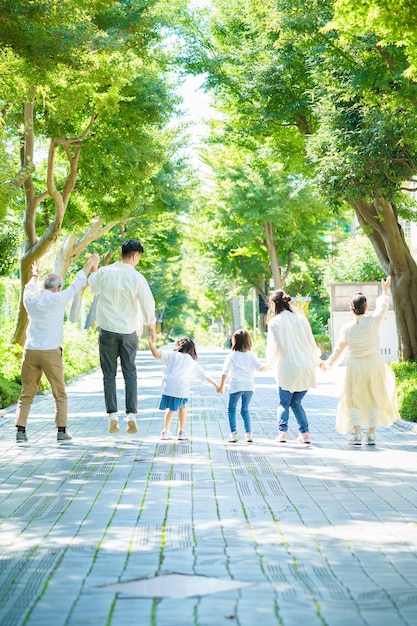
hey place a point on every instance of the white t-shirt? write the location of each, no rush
(180, 369)
(241, 366)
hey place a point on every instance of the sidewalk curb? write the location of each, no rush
(404, 425)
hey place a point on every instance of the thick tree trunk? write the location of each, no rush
(380, 221)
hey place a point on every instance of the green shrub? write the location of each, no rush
(406, 377)
(9, 392)
(324, 343)
(80, 351)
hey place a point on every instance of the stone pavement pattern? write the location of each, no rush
(113, 530)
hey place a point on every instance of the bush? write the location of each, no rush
(9, 392)
(406, 376)
(80, 351)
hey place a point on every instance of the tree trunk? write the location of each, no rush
(91, 317)
(273, 257)
(75, 309)
(37, 247)
(379, 221)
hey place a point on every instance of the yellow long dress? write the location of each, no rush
(369, 396)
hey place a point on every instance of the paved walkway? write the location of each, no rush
(118, 530)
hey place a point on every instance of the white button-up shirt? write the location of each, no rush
(46, 310)
(125, 300)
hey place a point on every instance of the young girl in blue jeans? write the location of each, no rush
(181, 368)
(241, 363)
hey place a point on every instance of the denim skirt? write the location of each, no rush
(171, 403)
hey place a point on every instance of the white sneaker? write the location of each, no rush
(166, 435)
(113, 423)
(370, 439)
(234, 437)
(356, 440)
(182, 435)
(132, 427)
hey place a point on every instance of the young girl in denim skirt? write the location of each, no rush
(181, 368)
(241, 363)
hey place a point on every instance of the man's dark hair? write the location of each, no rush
(130, 246)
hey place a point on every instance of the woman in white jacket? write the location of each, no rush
(293, 352)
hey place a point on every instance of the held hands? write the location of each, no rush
(322, 366)
(92, 262)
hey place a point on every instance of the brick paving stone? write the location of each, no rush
(324, 534)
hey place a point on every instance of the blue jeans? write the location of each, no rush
(291, 400)
(244, 409)
(111, 347)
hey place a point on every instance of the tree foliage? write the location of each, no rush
(341, 109)
(87, 84)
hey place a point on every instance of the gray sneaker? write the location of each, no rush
(370, 439)
(63, 436)
(21, 436)
(356, 440)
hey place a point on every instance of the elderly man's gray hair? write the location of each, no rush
(52, 281)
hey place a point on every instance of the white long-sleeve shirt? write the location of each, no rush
(291, 348)
(46, 310)
(241, 366)
(125, 301)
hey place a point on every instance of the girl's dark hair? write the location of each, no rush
(241, 341)
(358, 303)
(186, 345)
(279, 301)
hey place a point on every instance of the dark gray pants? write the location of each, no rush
(111, 347)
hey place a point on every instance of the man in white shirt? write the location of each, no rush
(42, 351)
(125, 305)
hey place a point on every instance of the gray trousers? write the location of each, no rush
(111, 347)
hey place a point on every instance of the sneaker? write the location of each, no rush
(304, 438)
(282, 437)
(356, 440)
(21, 436)
(166, 435)
(113, 423)
(132, 427)
(370, 439)
(182, 435)
(63, 436)
(234, 437)
(248, 437)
